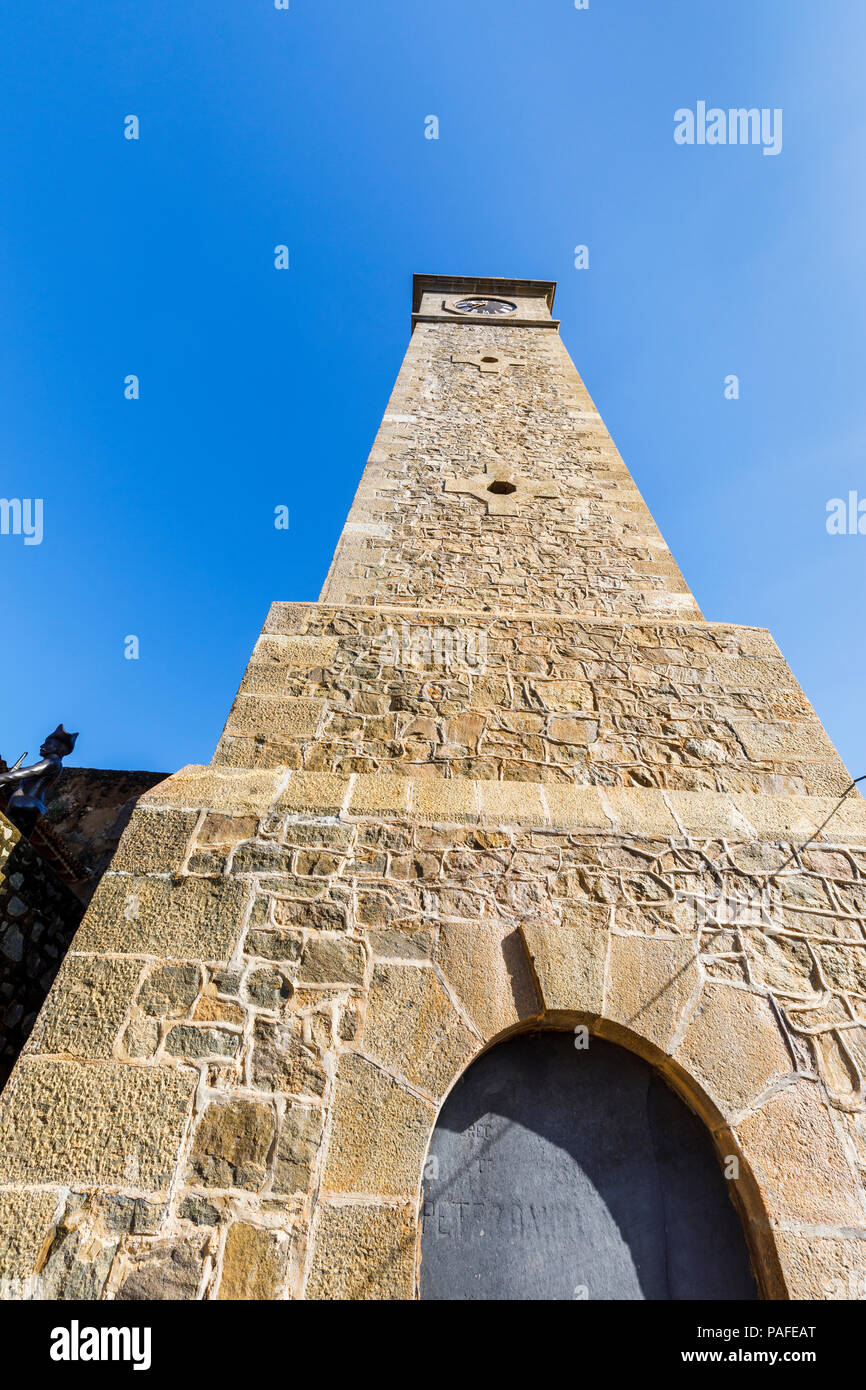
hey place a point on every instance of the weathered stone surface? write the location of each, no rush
(331, 960)
(194, 1044)
(706, 813)
(487, 969)
(652, 985)
(274, 945)
(167, 1270)
(379, 793)
(450, 801)
(234, 790)
(640, 811)
(267, 987)
(281, 1062)
(169, 991)
(212, 1010)
(413, 1028)
(254, 1263)
(60, 1112)
(220, 829)
(26, 1220)
(317, 915)
(379, 1134)
(155, 841)
(799, 1161)
(86, 1007)
(319, 791)
(823, 1267)
(578, 808)
(199, 1211)
(300, 1135)
(569, 964)
(414, 945)
(231, 1146)
(75, 1268)
(733, 1048)
(363, 1252)
(191, 917)
(280, 717)
(511, 803)
(141, 1038)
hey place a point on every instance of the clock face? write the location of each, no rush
(485, 306)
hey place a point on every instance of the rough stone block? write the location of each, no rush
(195, 917)
(363, 1252)
(155, 841)
(575, 808)
(332, 960)
(640, 811)
(653, 983)
(254, 1263)
(413, 1028)
(324, 792)
(235, 790)
(300, 1137)
(231, 1146)
(379, 793)
(166, 1270)
(733, 1048)
(799, 1161)
(511, 803)
(379, 1132)
(294, 651)
(275, 717)
(487, 968)
(281, 1062)
(107, 1123)
(705, 814)
(452, 799)
(168, 991)
(568, 962)
(26, 1222)
(84, 1011)
(822, 1267)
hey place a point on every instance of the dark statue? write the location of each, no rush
(31, 785)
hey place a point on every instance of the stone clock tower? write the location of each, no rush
(495, 954)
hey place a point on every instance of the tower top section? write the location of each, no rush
(481, 299)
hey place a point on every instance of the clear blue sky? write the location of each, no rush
(261, 387)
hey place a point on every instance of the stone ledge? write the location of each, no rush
(198, 787)
(282, 609)
(644, 812)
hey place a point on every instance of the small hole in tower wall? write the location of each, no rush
(501, 488)
(490, 359)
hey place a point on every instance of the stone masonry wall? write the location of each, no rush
(275, 997)
(670, 704)
(620, 816)
(593, 548)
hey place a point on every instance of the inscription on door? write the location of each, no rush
(557, 1173)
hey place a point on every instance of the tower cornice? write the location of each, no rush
(434, 300)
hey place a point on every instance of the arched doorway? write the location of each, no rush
(558, 1173)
